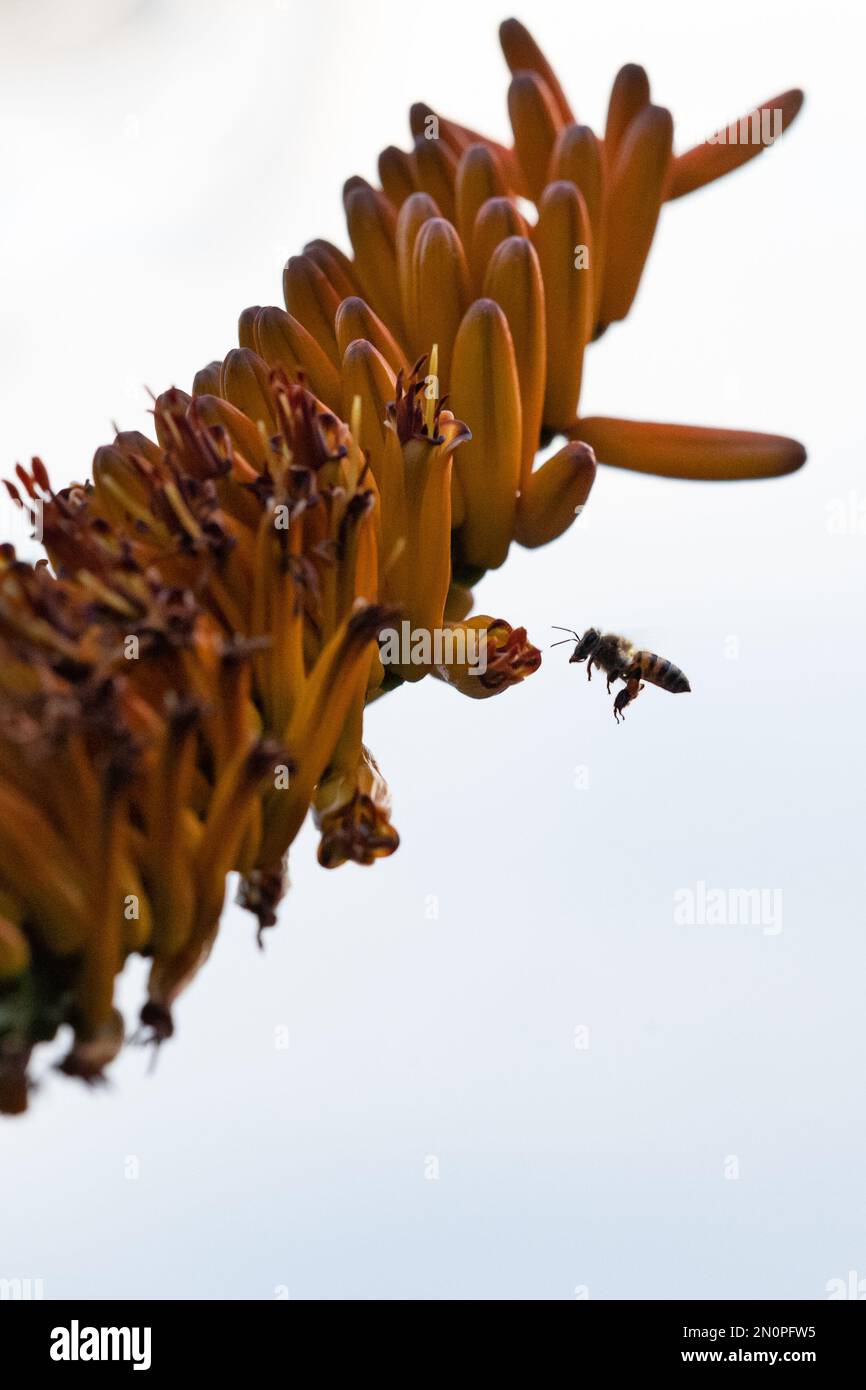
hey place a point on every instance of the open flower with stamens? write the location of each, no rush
(489, 656)
(352, 808)
(189, 678)
(134, 776)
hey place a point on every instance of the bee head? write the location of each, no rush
(587, 645)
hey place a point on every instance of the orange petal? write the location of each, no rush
(103, 950)
(435, 168)
(486, 394)
(732, 146)
(555, 494)
(578, 157)
(337, 680)
(284, 342)
(413, 214)
(335, 265)
(628, 97)
(366, 374)
(355, 319)
(637, 185)
(523, 54)
(427, 124)
(207, 381)
(441, 290)
(536, 122)
(497, 220)
(514, 281)
(428, 537)
(460, 137)
(372, 223)
(689, 451)
(229, 812)
(352, 184)
(213, 410)
(479, 177)
(396, 175)
(246, 327)
(312, 300)
(244, 382)
(563, 226)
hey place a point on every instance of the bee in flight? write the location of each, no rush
(619, 660)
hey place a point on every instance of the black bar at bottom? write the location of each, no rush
(66, 1337)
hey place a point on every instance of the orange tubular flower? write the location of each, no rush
(488, 656)
(352, 805)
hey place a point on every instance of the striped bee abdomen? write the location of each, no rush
(658, 671)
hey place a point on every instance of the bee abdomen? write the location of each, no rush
(658, 671)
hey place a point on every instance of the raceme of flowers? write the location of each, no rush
(184, 676)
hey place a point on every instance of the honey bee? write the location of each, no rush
(619, 660)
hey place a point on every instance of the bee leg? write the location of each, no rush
(623, 699)
(629, 692)
(614, 676)
(589, 669)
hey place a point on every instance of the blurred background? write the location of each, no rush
(493, 1066)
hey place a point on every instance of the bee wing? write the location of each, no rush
(638, 637)
(662, 639)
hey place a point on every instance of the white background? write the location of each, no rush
(160, 160)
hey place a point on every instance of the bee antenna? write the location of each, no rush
(575, 635)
